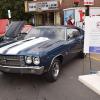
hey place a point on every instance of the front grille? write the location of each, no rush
(11, 60)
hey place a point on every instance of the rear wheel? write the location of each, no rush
(53, 73)
(82, 54)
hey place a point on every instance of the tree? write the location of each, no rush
(16, 7)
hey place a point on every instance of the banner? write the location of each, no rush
(42, 6)
(92, 35)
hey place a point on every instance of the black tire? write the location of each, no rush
(81, 54)
(54, 71)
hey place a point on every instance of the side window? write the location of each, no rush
(72, 33)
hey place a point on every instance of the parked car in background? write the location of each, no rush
(13, 33)
(43, 51)
(3, 27)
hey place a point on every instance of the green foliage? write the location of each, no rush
(16, 7)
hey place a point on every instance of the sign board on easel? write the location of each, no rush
(92, 45)
(88, 2)
(92, 35)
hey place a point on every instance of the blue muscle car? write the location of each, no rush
(43, 50)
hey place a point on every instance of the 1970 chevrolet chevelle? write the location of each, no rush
(43, 50)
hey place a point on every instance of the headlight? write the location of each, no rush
(36, 60)
(28, 59)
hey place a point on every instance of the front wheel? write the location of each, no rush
(53, 73)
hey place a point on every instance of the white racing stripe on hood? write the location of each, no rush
(2, 49)
(26, 45)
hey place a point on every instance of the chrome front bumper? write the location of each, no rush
(25, 70)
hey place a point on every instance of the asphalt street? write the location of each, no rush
(30, 87)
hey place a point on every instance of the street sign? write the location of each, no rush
(92, 35)
(89, 2)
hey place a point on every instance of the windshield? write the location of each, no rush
(14, 28)
(52, 33)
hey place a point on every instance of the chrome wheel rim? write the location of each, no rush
(56, 69)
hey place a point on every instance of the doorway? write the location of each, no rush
(44, 18)
(48, 18)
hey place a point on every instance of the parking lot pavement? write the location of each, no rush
(30, 87)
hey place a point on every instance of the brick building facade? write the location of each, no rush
(69, 3)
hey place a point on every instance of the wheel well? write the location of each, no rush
(60, 58)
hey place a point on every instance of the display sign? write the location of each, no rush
(92, 35)
(95, 11)
(42, 6)
(69, 14)
(88, 2)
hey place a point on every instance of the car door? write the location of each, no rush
(74, 41)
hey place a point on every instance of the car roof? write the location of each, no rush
(58, 26)
(49, 26)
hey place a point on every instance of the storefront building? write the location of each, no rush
(50, 12)
(45, 12)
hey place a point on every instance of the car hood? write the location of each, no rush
(6, 42)
(30, 46)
